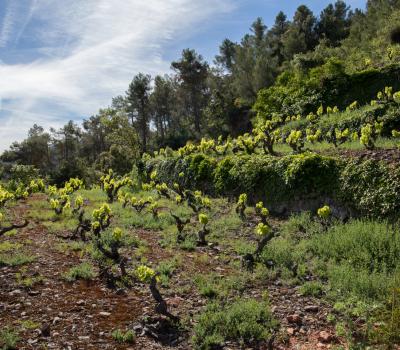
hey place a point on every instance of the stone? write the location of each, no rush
(324, 337)
(294, 319)
(104, 313)
(137, 328)
(174, 302)
(311, 308)
(15, 292)
(56, 319)
(45, 330)
(33, 293)
(291, 331)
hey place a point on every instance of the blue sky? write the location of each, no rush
(62, 60)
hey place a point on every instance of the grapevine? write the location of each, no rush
(264, 233)
(241, 206)
(295, 141)
(111, 184)
(148, 276)
(204, 231)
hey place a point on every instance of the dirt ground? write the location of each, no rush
(82, 315)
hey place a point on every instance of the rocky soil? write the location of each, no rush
(55, 314)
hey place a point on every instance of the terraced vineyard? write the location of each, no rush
(139, 262)
(251, 203)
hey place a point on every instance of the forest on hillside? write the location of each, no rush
(332, 59)
(252, 202)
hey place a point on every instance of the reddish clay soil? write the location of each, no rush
(82, 315)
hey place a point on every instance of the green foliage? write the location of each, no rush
(16, 259)
(25, 279)
(311, 173)
(324, 212)
(9, 339)
(29, 324)
(371, 187)
(313, 289)
(207, 287)
(298, 93)
(285, 254)
(361, 186)
(223, 180)
(112, 184)
(362, 257)
(388, 331)
(7, 246)
(213, 287)
(144, 273)
(351, 120)
(295, 141)
(166, 270)
(5, 196)
(315, 82)
(245, 321)
(124, 337)
(84, 271)
(369, 134)
(202, 167)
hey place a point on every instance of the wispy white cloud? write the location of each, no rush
(90, 50)
(8, 23)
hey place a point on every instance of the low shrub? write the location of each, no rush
(313, 289)
(362, 257)
(371, 187)
(9, 339)
(246, 321)
(84, 271)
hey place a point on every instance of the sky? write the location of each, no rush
(63, 60)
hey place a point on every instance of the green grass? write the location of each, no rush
(313, 289)
(28, 281)
(8, 339)
(243, 321)
(358, 263)
(167, 268)
(16, 259)
(300, 226)
(241, 246)
(95, 197)
(359, 258)
(84, 271)
(364, 244)
(7, 246)
(224, 225)
(124, 337)
(354, 266)
(29, 324)
(73, 246)
(189, 244)
(12, 233)
(207, 287)
(215, 286)
(362, 258)
(66, 223)
(41, 211)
